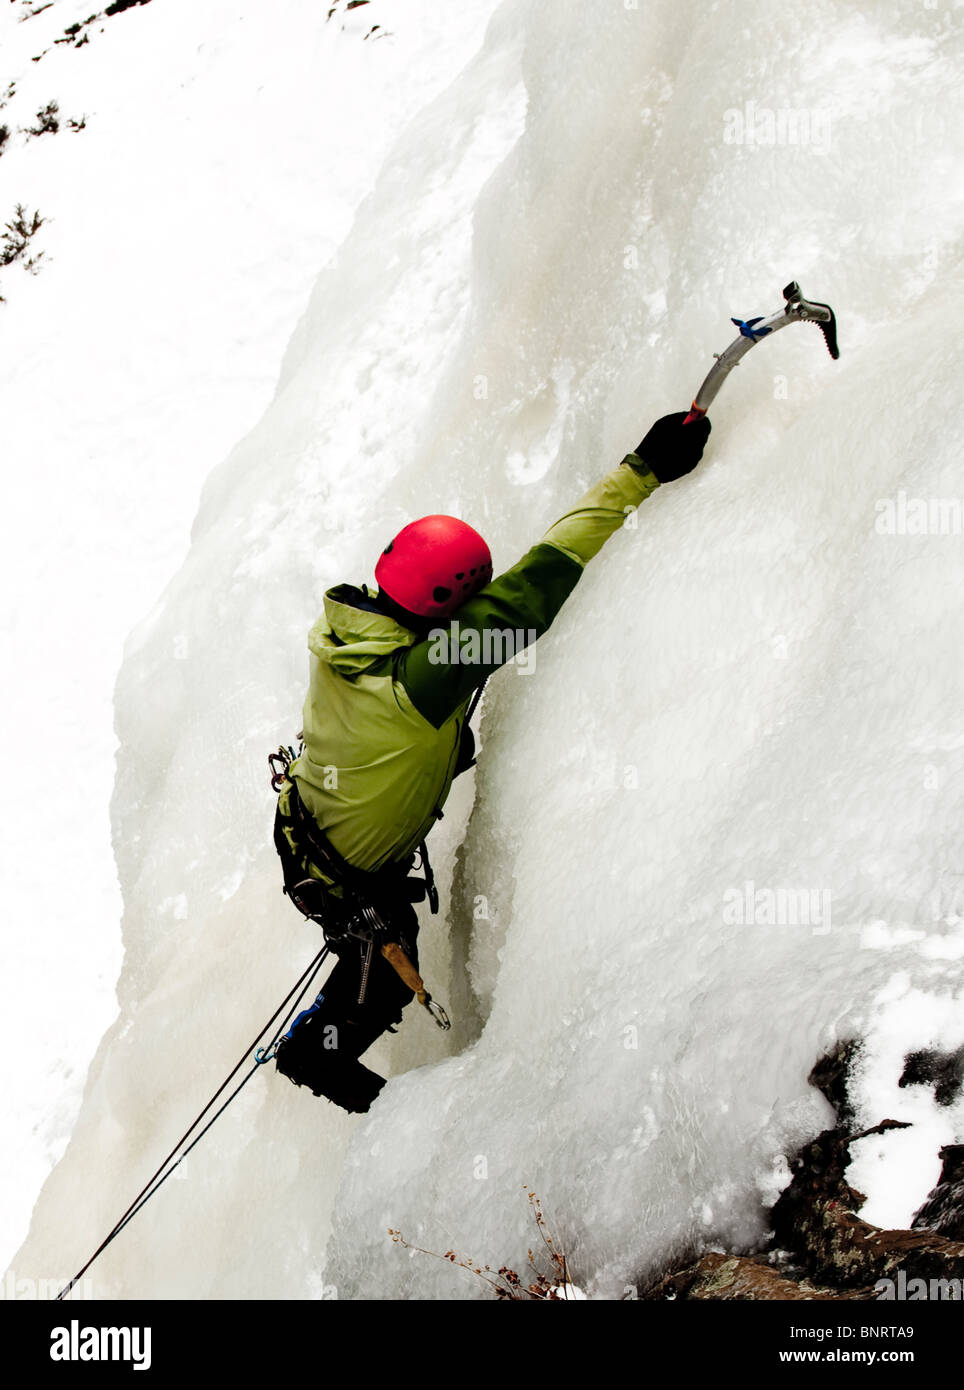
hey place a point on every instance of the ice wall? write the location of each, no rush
(756, 684)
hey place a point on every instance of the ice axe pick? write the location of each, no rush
(796, 310)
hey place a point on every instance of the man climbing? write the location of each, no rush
(393, 680)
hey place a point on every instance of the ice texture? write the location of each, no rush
(755, 691)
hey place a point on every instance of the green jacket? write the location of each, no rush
(385, 708)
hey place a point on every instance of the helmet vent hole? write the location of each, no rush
(440, 593)
(389, 548)
(461, 574)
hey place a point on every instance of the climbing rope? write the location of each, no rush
(262, 1055)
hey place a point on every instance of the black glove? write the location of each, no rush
(672, 449)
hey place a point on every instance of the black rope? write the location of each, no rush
(474, 701)
(132, 1211)
(260, 1060)
(152, 1185)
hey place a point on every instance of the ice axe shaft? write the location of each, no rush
(406, 971)
(796, 310)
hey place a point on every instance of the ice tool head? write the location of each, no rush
(752, 331)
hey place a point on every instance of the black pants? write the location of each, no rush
(322, 1050)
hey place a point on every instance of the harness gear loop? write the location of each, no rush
(279, 763)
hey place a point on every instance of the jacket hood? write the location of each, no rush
(352, 638)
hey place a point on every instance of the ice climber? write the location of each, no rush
(385, 732)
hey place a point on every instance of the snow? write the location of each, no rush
(755, 684)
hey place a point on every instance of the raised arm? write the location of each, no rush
(440, 672)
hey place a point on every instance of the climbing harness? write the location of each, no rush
(280, 762)
(349, 904)
(361, 915)
(314, 897)
(796, 310)
(261, 1055)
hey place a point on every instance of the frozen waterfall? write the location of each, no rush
(753, 698)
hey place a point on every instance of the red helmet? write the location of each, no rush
(433, 565)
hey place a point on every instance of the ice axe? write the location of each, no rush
(796, 310)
